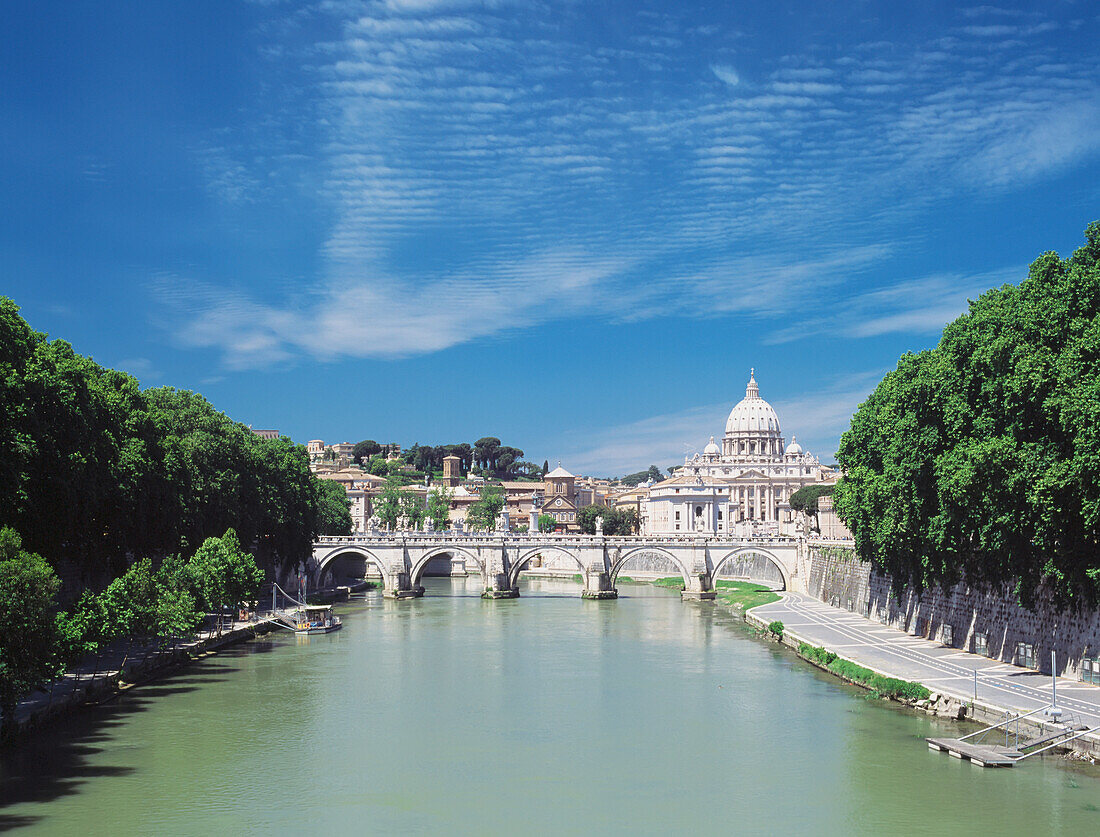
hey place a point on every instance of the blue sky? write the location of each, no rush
(574, 226)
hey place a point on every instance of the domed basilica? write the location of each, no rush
(741, 488)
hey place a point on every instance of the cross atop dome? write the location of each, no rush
(752, 390)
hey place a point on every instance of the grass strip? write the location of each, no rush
(887, 687)
(744, 595)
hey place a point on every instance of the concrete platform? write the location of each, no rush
(982, 755)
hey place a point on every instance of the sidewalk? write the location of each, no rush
(950, 671)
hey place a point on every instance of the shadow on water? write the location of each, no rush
(57, 760)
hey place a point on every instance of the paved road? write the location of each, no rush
(940, 668)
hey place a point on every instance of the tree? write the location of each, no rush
(626, 521)
(653, 473)
(466, 454)
(28, 632)
(365, 450)
(545, 467)
(486, 451)
(978, 459)
(805, 499)
(223, 573)
(547, 523)
(506, 459)
(387, 505)
(378, 466)
(482, 515)
(526, 470)
(412, 508)
(439, 508)
(333, 509)
(615, 521)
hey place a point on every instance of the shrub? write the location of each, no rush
(776, 629)
(880, 686)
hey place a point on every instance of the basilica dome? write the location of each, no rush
(752, 414)
(712, 448)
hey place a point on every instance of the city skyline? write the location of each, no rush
(575, 228)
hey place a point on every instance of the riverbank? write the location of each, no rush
(841, 657)
(119, 668)
(961, 685)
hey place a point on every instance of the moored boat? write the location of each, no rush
(316, 619)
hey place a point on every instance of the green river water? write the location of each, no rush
(542, 715)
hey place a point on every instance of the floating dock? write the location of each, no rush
(982, 755)
(1017, 746)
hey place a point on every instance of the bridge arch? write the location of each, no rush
(664, 553)
(422, 562)
(368, 556)
(517, 567)
(773, 559)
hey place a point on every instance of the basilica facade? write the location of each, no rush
(740, 487)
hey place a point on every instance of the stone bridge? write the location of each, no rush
(402, 558)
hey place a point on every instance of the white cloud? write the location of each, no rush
(1045, 142)
(471, 165)
(384, 318)
(915, 306)
(726, 73)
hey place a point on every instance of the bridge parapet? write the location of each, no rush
(402, 557)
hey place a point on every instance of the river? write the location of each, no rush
(541, 715)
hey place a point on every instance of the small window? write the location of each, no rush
(677, 514)
(1090, 670)
(1025, 655)
(677, 527)
(981, 644)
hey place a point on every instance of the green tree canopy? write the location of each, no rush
(439, 508)
(482, 514)
(805, 499)
(615, 521)
(223, 573)
(652, 473)
(365, 450)
(333, 508)
(28, 632)
(981, 458)
(95, 471)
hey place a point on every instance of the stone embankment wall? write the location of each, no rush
(960, 616)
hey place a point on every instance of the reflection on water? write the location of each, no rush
(547, 714)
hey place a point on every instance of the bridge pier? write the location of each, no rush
(700, 588)
(498, 575)
(597, 585)
(402, 587)
(499, 586)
